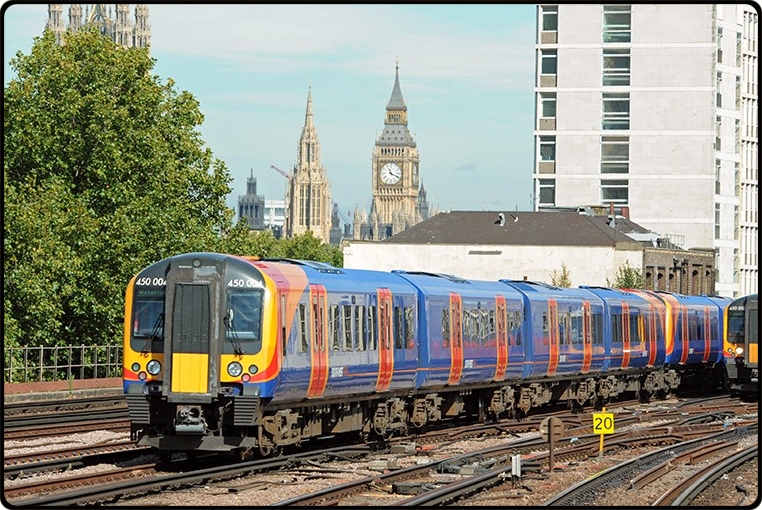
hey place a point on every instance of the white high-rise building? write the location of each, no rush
(654, 108)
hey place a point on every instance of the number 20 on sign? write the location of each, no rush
(603, 423)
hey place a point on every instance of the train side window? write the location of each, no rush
(596, 327)
(360, 329)
(347, 313)
(371, 328)
(409, 327)
(466, 327)
(398, 328)
(335, 326)
(304, 345)
(616, 328)
(517, 325)
(576, 329)
(491, 320)
(544, 321)
(693, 326)
(445, 327)
(636, 328)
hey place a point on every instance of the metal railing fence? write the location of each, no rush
(41, 364)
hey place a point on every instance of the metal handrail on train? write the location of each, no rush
(61, 363)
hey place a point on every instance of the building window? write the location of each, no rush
(718, 134)
(615, 154)
(717, 167)
(617, 24)
(547, 192)
(548, 104)
(549, 18)
(616, 111)
(616, 67)
(614, 191)
(549, 61)
(719, 45)
(717, 221)
(719, 90)
(547, 148)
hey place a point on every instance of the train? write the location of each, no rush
(252, 356)
(741, 345)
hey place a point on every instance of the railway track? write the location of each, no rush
(683, 421)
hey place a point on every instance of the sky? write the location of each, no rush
(466, 73)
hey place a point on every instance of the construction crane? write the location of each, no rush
(284, 174)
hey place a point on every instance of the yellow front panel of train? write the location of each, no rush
(190, 373)
(753, 357)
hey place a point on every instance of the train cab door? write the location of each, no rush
(456, 345)
(625, 335)
(553, 337)
(318, 340)
(502, 338)
(751, 333)
(385, 340)
(191, 357)
(587, 338)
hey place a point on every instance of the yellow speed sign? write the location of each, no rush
(603, 423)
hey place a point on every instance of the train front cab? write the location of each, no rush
(741, 344)
(198, 386)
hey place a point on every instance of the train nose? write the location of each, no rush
(190, 420)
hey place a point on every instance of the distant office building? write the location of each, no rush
(655, 107)
(275, 215)
(113, 23)
(252, 206)
(308, 196)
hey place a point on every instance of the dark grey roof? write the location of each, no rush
(396, 134)
(519, 228)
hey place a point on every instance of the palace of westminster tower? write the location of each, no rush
(119, 28)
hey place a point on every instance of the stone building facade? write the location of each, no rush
(114, 24)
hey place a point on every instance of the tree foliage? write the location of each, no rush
(627, 277)
(104, 172)
(562, 279)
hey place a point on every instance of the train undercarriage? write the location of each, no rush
(251, 427)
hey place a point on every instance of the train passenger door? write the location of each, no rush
(587, 338)
(318, 348)
(385, 341)
(684, 334)
(553, 336)
(625, 334)
(502, 338)
(707, 334)
(456, 343)
(651, 326)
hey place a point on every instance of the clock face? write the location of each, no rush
(391, 173)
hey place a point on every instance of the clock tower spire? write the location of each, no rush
(395, 168)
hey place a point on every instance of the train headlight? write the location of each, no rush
(739, 351)
(235, 369)
(135, 366)
(253, 369)
(153, 367)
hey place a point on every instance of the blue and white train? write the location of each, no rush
(231, 353)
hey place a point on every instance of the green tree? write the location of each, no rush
(104, 172)
(627, 277)
(562, 279)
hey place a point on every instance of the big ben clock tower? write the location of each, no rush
(395, 170)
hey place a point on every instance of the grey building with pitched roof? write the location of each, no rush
(535, 246)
